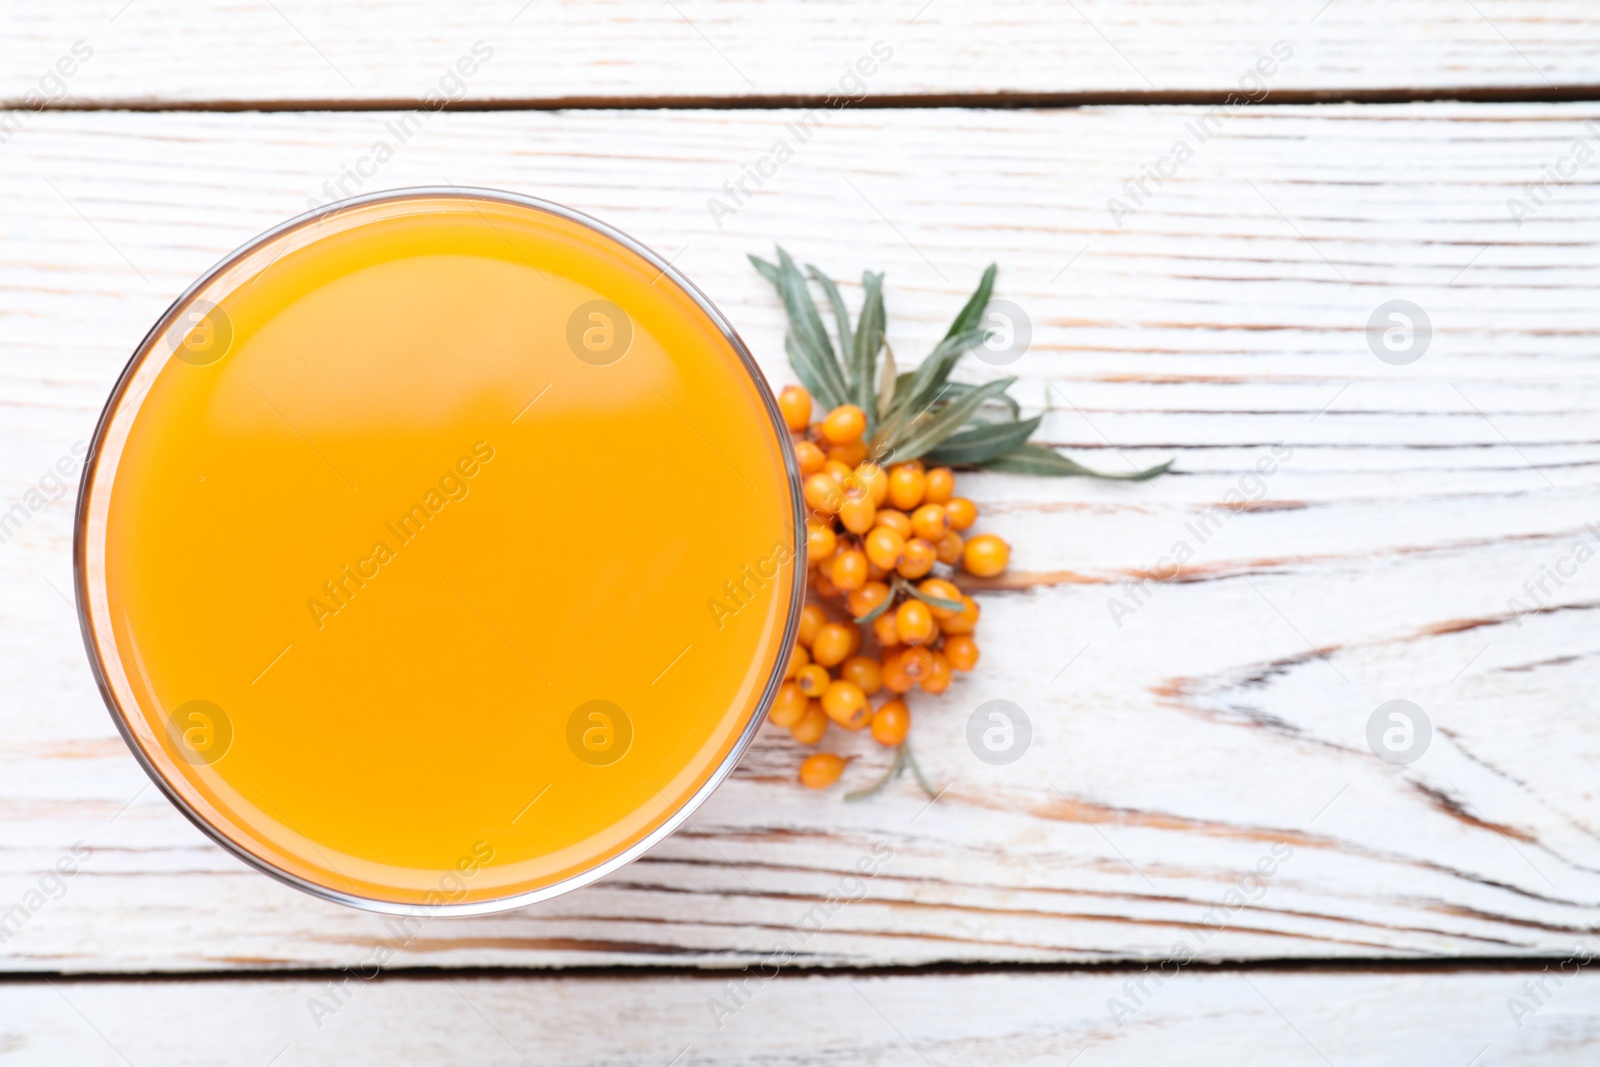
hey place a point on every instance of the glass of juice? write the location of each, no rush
(440, 551)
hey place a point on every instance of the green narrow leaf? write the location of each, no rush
(841, 317)
(1037, 459)
(805, 326)
(803, 317)
(868, 340)
(937, 601)
(927, 433)
(955, 389)
(902, 386)
(935, 370)
(916, 772)
(972, 314)
(805, 368)
(888, 380)
(927, 382)
(890, 775)
(769, 271)
(881, 608)
(984, 442)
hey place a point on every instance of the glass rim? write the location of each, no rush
(677, 816)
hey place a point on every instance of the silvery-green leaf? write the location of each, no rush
(972, 314)
(935, 370)
(841, 317)
(1036, 459)
(937, 601)
(927, 433)
(888, 379)
(983, 442)
(890, 775)
(902, 386)
(954, 389)
(916, 772)
(805, 326)
(769, 271)
(882, 607)
(803, 317)
(927, 382)
(868, 340)
(804, 362)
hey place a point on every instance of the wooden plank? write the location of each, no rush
(1191, 1017)
(1217, 727)
(160, 51)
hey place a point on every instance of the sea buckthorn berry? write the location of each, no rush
(943, 590)
(963, 512)
(849, 569)
(915, 623)
(918, 560)
(962, 652)
(986, 555)
(820, 541)
(795, 403)
(812, 679)
(939, 486)
(895, 677)
(788, 706)
(823, 494)
(898, 521)
(853, 632)
(876, 480)
(797, 659)
(844, 424)
(812, 725)
(809, 457)
(864, 671)
(857, 513)
(930, 523)
(867, 597)
(917, 663)
(843, 473)
(832, 645)
(821, 770)
(846, 704)
(891, 722)
(876, 573)
(885, 547)
(848, 454)
(883, 629)
(823, 587)
(905, 486)
(938, 679)
(964, 623)
(949, 548)
(811, 619)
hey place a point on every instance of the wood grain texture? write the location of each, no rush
(1253, 1017)
(166, 51)
(1172, 753)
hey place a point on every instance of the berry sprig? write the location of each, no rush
(886, 533)
(873, 538)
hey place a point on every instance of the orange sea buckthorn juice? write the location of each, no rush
(439, 551)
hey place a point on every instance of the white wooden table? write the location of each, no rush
(1217, 720)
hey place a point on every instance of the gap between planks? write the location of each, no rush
(1021, 100)
(1285, 964)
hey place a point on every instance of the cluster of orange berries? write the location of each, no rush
(869, 532)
